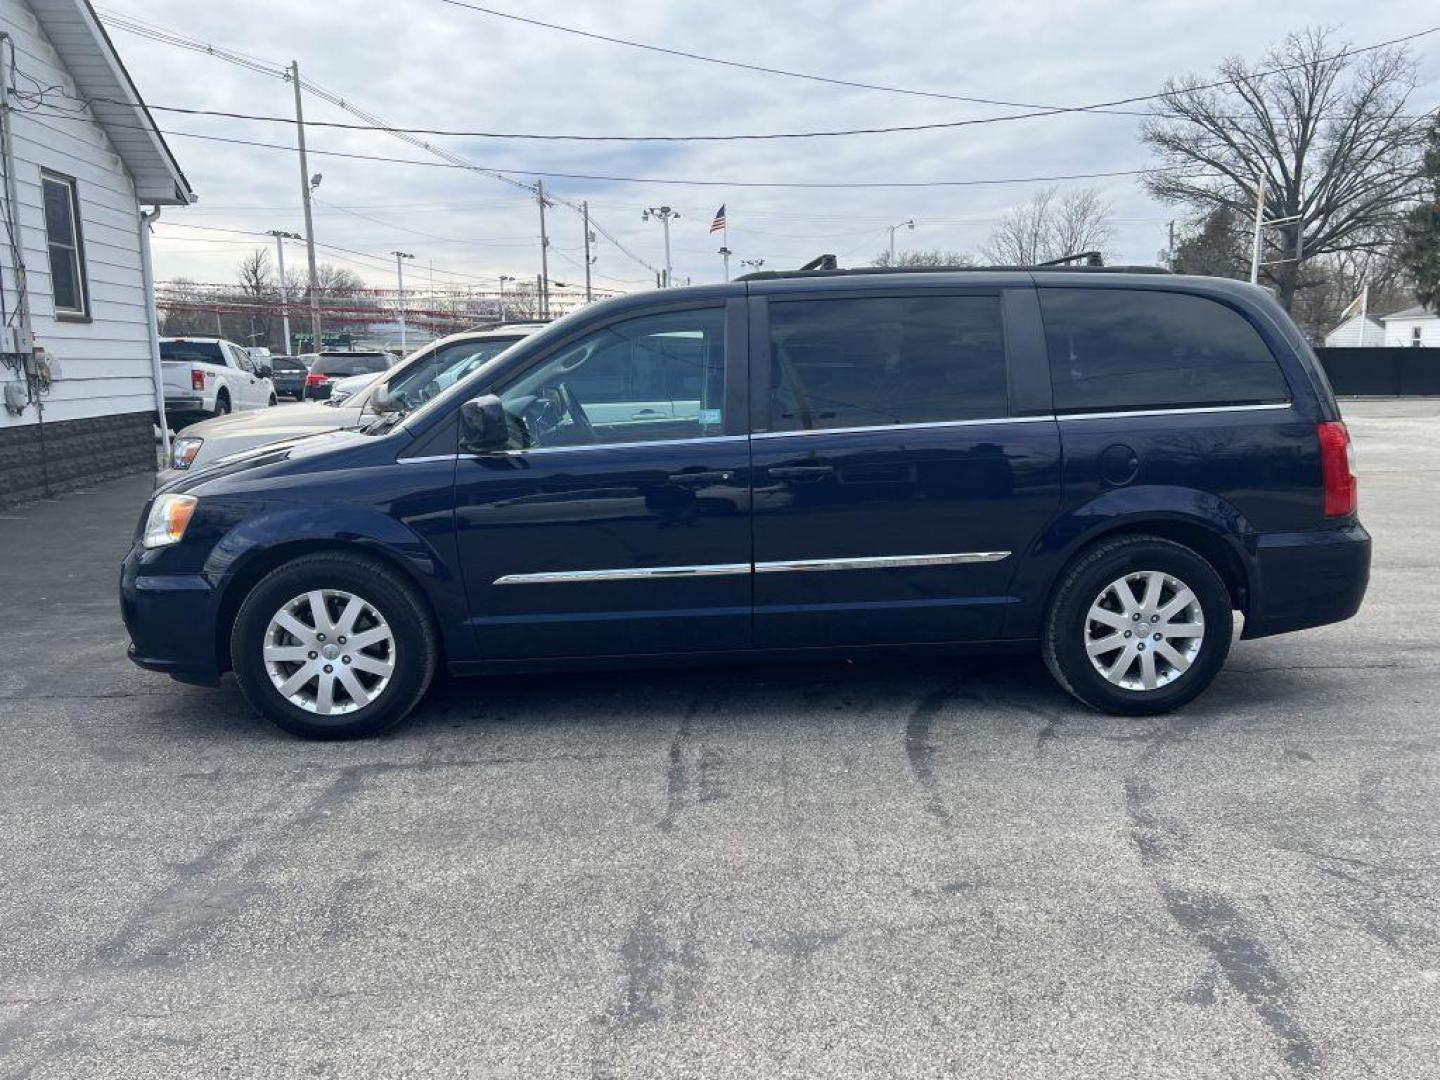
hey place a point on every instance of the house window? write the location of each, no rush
(1415, 337)
(66, 246)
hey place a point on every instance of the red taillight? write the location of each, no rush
(1337, 468)
(316, 379)
(197, 379)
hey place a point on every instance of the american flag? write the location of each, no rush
(718, 224)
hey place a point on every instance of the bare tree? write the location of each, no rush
(259, 297)
(1021, 235)
(180, 306)
(935, 257)
(1325, 131)
(1050, 227)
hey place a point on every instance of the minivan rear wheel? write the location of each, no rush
(333, 646)
(1138, 625)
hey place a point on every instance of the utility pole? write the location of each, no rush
(666, 215)
(306, 187)
(400, 257)
(1259, 224)
(585, 215)
(544, 253)
(503, 278)
(1170, 248)
(280, 238)
(908, 223)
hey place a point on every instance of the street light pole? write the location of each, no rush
(504, 278)
(1259, 224)
(307, 185)
(908, 223)
(280, 238)
(400, 256)
(725, 253)
(665, 214)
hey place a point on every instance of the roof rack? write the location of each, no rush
(773, 275)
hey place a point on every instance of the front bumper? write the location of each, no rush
(1308, 579)
(171, 621)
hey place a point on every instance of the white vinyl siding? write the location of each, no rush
(102, 361)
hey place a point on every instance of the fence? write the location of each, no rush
(1382, 372)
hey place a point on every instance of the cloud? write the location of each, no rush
(425, 63)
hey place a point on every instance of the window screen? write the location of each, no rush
(62, 238)
(878, 361)
(1115, 349)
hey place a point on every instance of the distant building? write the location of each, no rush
(1414, 327)
(79, 377)
(1358, 331)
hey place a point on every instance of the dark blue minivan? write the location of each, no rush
(1106, 465)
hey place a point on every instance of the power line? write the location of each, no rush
(1041, 110)
(675, 181)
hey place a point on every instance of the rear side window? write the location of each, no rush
(203, 352)
(358, 364)
(879, 361)
(1117, 349)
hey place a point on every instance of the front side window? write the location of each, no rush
(66, 248)
(1128, 349)
(873, 362)
(646, 379)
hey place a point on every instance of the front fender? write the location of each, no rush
(1164, 507)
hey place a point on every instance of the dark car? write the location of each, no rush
(332, 366)
(1104, 467)
(288, 374)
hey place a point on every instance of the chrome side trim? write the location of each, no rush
(906, 427)
(1172, 412)
(625, 445)
(636, 573)
(426, 457)
(880, 562)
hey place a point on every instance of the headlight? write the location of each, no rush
(169, 517)
(183, 451)
(337, 396)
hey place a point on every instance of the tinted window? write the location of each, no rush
(649, 378)
(1132, 349)
(874, 362)
(345, 364)
(286, 363)
(205, 352)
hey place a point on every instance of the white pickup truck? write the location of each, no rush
(211, 377)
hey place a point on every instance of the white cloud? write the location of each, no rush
(425, 63)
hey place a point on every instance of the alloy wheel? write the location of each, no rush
(329, 652)
(1144, 630)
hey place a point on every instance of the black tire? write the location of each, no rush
(415, 643)
(222, 404)
(1068, 625)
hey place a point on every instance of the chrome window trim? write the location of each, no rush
(638, 573)
(1174, 412)
(904, 427)
(880, 562)
(698, 439)
(653, 573)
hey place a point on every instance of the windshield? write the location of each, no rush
(439, 371)
(351, 364)
(204, 352)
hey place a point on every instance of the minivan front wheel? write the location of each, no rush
(1138, 625)
(332, 646)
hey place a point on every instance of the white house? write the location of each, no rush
(81, 157)
(1413, 327)
(1358, 331)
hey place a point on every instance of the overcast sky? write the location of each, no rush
(424, 63)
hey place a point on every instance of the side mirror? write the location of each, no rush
(483, 424)
(264, 371)
(381, 402)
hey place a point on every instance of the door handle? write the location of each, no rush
(801, 472)
(645, 414)
(702, 476)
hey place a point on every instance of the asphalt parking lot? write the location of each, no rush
(923, 868)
